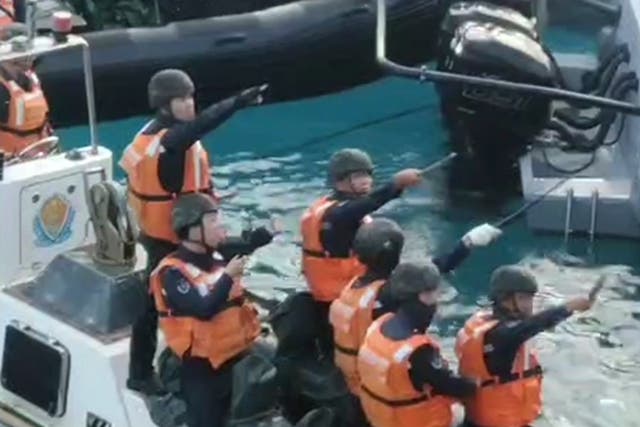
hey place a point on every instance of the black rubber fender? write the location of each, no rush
(301, 49)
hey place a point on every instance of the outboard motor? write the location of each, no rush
(491, 128)
(462, 12)
(482, 11)
(525, 8)
(494, 51)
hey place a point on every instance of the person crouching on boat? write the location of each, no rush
(329, 226)
(404, 379)
(164, 160)
(24, 111)
(204, 315)
(7, 13)
(378, 245)
(493, 347)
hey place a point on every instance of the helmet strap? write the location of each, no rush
(208, 248)
(201, 241)
(514, 311)
(351, 187)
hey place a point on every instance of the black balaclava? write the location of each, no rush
(419, 314)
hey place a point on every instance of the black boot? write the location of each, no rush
(141, 352)
(150, 386)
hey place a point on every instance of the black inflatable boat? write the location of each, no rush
(301, 49)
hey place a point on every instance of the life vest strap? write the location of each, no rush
(236, 302)
(7, 12)
(319, 254)
(315, 254)
(27, 132)
(165, 197)
(396, 403)
(513, 376)
(345, 350)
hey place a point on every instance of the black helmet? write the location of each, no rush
(347, 161)
(409, 279)
(168, 84)
(377, 237)
(510, 279)
(189, 210)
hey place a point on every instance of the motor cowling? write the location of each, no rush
(491, 118)
(461, 12)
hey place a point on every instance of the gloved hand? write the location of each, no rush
(260, 237)
(253, 95)
(481, 235)
(407, 178)
(235, 267)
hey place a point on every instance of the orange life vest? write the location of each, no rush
(148, 199)
(5, 19)
(387, 394)
(351, 315)
(326, 276)
(514, 401)
(28, 116)
(226, 335)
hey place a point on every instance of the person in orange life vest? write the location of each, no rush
(492, 347)
(7, 13)
(404, 379)
(164, 160)
(377, 246)
(24, 111)
(204, 316)
(329, 226)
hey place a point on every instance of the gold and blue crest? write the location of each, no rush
(52, 224)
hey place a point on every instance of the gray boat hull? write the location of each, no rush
(604, 199)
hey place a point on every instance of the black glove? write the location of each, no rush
(260, 237)
(253, 95)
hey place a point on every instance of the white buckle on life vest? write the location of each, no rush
(403, 353)
(367, 298)
(340, 315)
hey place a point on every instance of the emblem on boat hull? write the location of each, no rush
(52, 224)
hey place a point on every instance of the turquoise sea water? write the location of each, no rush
(593, 372)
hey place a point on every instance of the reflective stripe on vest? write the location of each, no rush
(325, 275)
(509, 400)
(148, 199)
(226, 335)
(351, 315)
(389, 398)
